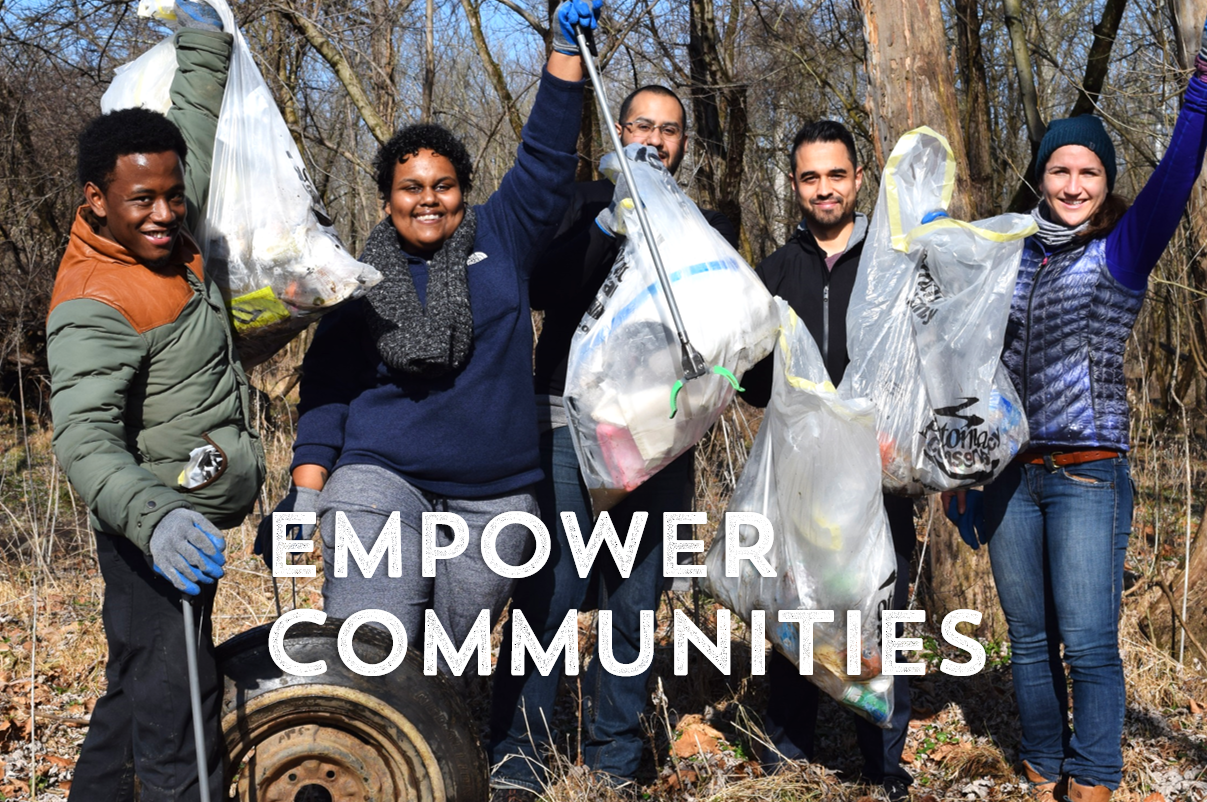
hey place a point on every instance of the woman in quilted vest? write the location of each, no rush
(1058, 519)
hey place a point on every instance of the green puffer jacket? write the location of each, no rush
(143, 365)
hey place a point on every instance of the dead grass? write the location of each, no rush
(961, 745)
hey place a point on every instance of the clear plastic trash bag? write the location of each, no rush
(266, 237)
(925, 328)
(625, 357)
(143, 82)
(814, 472)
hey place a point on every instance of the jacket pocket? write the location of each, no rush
(228, 496)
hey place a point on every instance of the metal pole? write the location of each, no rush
(693, 363)
(190, 653)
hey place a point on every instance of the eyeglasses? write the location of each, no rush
(670, 132)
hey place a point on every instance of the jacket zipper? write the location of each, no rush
(1027, 339)
(825, 322)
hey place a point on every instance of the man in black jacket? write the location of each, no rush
(564, 283)
(815, 272)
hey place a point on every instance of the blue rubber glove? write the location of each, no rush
(570, 13)
(187, 549)
(299, 499)
(972, 521)
(930, 217)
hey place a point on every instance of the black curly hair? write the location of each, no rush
(120, 133)
(408, 141)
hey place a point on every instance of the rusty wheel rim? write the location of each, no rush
(346, 742)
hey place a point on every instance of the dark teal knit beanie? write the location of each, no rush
(1085, 130)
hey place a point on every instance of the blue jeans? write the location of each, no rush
(522, 707)
(792, 700)
(1057, 541)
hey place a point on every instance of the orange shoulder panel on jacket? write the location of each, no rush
(99, 269)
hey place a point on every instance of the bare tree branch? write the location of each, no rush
(343, 71)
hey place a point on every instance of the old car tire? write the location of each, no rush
(339, 735)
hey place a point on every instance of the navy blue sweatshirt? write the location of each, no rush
(472, 433)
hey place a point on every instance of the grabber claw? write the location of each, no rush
(720, 370)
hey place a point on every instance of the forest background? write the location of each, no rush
(986, 73)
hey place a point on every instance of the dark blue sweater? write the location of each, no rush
(472, 433)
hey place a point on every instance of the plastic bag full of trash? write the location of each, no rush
(814, 472)
(267, 240)
(926, 323)
(625, 358)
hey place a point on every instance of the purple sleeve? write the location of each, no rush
(1133, 248)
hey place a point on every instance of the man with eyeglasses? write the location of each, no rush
(564, 283)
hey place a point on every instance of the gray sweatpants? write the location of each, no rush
(462, 587)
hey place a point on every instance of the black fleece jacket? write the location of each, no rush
(797, 273)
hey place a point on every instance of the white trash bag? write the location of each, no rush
(926, 324)
(143, 82)
(266, 237)
(814, 472)
(625, 359)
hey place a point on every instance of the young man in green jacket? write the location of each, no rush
(151, 419)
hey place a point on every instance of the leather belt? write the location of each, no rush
(1059, 459)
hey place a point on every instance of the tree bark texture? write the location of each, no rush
(910, 81)
(719, 116)
(978, 129)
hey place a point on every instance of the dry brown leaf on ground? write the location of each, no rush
(694, 737)
(1154, 797)
(16, 786)
(1195, 708)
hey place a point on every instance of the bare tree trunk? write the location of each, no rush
(1099, 58)
(429, 61)
(1087, 94)
(978, 129)
(497, 80)
(343, 71)
(384, 60)
(910, 82)
(714, 95)
(1036, 128)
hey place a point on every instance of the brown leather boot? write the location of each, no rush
(1084, 793)
(1043, 789)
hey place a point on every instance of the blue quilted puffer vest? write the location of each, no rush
(1069, 324)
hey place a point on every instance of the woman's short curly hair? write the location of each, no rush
(408, 141)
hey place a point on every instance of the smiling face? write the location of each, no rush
(142, 208)
(1074, 184)
(425, 203)
(826, 184)
(650, 116)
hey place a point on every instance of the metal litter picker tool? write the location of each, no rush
(190, 653)
(693, 363)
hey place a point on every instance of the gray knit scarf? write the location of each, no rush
(1054, 235)
(411, 338)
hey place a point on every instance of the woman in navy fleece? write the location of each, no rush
(419, 397)
(1059, 517)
